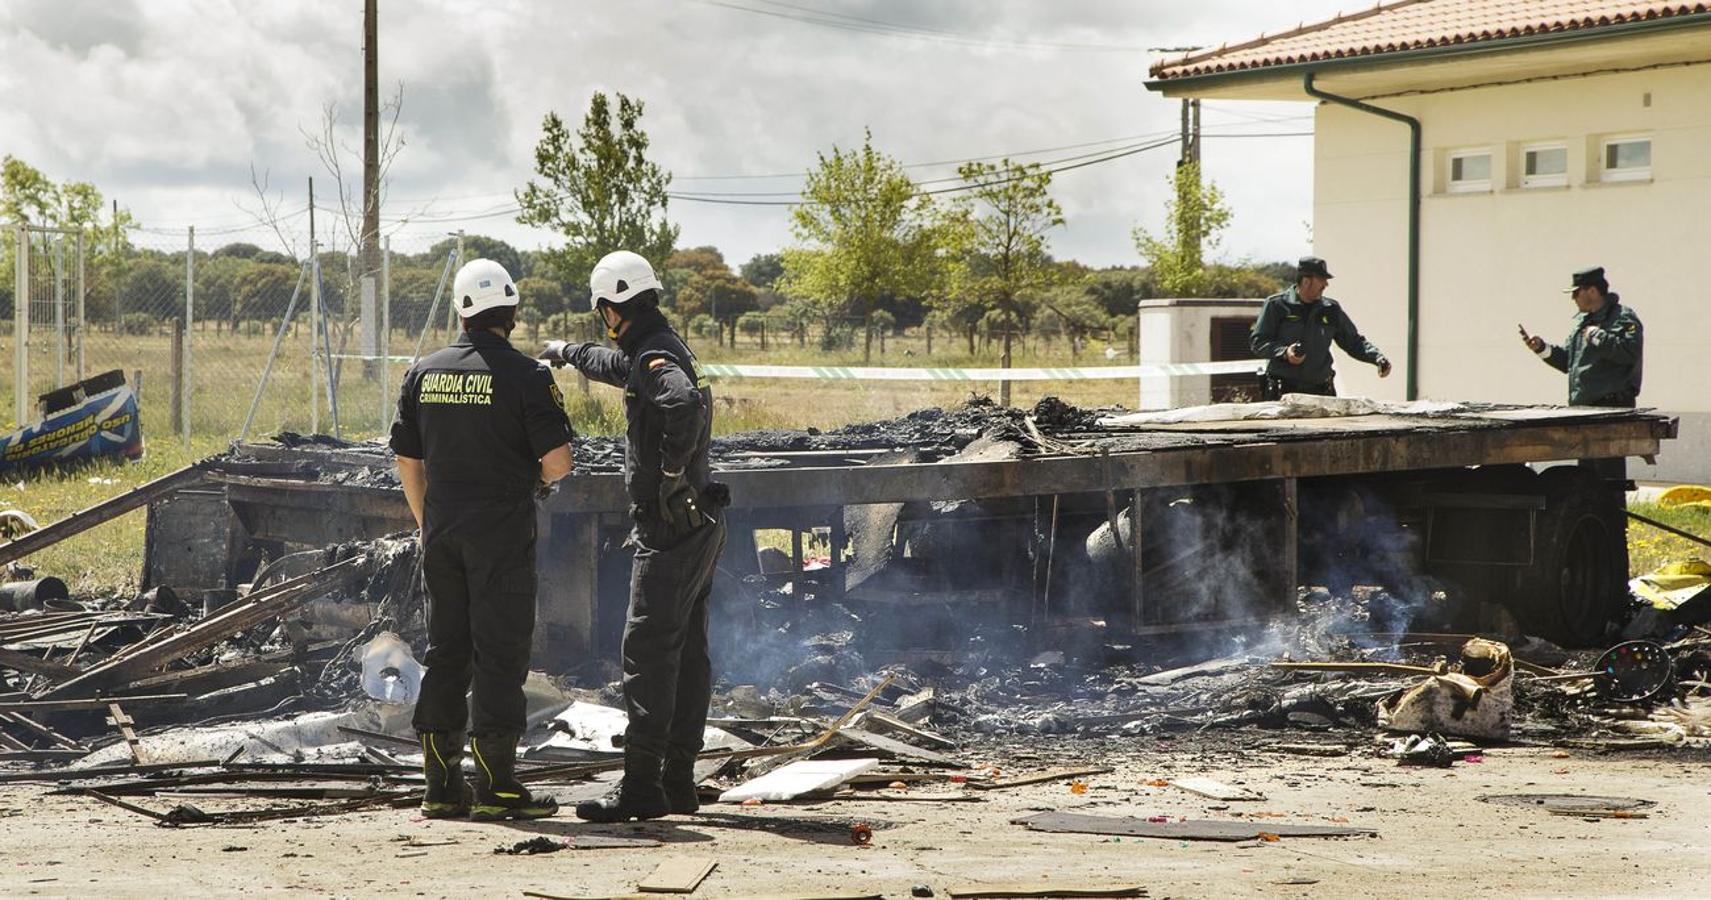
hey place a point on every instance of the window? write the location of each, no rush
(1470, 171)
(1544, 165)
(1628, 159)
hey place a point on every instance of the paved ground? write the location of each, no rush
(1435, 837)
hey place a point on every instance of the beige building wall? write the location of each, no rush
(1495, 259)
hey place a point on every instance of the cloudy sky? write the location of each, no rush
(168, 104)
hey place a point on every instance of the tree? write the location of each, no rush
(685, 264)
(721, 295)
(1071, 311)
(1009, 210)
(261, 291)
(599, 190)
(478, 246)
(869, 233)
(1193, 217)
(763, 270)
(543, 294)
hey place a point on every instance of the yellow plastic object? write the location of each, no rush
(1685, 495)
(1673, 584)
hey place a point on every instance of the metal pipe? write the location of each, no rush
(22, 595)
(1413, 369)
(267, 370)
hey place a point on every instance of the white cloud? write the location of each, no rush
(165, 105)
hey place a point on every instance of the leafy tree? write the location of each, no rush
(720, 295)
(544, 294)
(478, 246)
(1193, 218)
(1009, 210)
(685, 264)
(763, 270)
(260, 291)
(1120, 291)
(1071, 311)
(215, 278)
(598, 189)
(868, 234)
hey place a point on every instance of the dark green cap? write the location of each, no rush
(1311, 265)
(1593, 277)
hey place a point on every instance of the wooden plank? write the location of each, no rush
(1044, 889)
(31, 725)
(41, 706)
(893, 723)
(1216, 790)
(899, 749)
(1038, 778)
(678, 876)
(1183, 830)
(111, 508)
(35, 665)
(259, 607)
(116, 717)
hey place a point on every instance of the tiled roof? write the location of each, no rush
(1419, 24)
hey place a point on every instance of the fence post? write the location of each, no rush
(185, 383)
(176, 371)
(82, 322)
(314, 338)
(386, 408)
(21, 330)
(59, 310)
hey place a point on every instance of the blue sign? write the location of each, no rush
(105, 424)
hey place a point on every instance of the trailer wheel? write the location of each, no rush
(1575, 587)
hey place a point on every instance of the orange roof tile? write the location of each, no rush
(1419, 24)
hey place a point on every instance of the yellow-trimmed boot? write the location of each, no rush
(498, 793)
(447, 795)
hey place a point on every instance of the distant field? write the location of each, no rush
(226, 368)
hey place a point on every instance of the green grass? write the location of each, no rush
(1650, 548)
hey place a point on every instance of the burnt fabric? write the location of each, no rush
(479, 415)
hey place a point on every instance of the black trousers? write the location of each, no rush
(1274, 387)
(478, 564)
(668, 677)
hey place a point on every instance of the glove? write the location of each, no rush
(1383, 367)
(558, 353)
(678, 505)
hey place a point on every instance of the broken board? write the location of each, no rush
(1037, 778)
(899, 749)
(678, 876)
(801, 777)
(1216, 790)
(1044, 889)
(1188, 830)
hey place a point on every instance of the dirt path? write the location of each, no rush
(1435, 837)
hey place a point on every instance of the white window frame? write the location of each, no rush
(1553, 179)
(1637, 173)
(1481, 186)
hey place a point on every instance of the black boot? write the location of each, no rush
(637, 796)
(447, 794)
(677, 779)
(498, 793)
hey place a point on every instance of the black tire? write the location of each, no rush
(1577, 584)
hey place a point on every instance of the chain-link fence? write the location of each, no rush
(218, 341)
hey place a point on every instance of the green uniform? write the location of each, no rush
(1605, 370)
(1286, 319)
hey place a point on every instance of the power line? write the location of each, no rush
(810, 16)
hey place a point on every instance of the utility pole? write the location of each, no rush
(1190, 141)
(370, 249)
(314, 316)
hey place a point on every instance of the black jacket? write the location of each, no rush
(667, 406)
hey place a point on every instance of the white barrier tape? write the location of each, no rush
(880, 373)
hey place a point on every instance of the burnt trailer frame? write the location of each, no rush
(1463, 477)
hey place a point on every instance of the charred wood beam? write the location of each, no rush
(259, 607)
(107, 510)
(35, 665)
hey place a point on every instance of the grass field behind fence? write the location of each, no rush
(226, 368)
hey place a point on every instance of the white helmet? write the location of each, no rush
(618, 276)
(481, 285)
